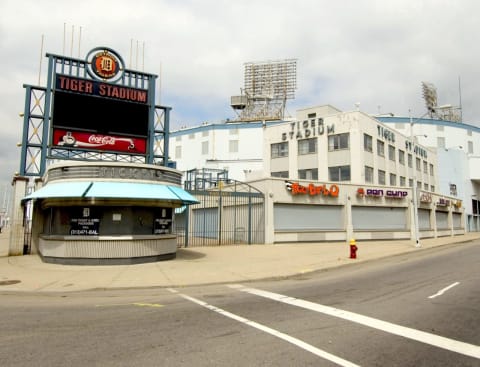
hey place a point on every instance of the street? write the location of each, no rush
(416, 309)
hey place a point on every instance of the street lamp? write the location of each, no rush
(414, 188)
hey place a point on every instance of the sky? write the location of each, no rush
(372, 52)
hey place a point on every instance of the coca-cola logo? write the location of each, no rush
(101, 139)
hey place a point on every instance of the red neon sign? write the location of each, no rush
(312, 190)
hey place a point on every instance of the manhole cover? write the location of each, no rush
(8, 282)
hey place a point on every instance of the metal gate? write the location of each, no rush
(229, 213)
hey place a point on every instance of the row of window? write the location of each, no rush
(341, 141)
(232, 148)
(337, 173)
(368, 147)
(393, 179)
(309, 146)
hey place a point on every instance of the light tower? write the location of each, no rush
(267, 86)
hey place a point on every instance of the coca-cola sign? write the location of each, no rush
(76, 139)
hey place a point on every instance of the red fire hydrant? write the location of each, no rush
(353, 249)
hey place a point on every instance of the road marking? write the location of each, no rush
(421, 336)
(442, 291)
(297, 342)
(131, 304)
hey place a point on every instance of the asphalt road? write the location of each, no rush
(418, 309)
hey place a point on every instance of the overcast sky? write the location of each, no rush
(376, 53)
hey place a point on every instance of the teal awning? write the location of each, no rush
(113, 190)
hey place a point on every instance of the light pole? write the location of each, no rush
(414, 187)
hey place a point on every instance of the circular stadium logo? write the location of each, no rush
(105, 63)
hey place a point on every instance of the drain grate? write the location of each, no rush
(9, 282)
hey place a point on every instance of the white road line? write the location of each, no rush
(297, 342)
(421, 336)
(442, 291)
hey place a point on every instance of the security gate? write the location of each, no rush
(229, 213)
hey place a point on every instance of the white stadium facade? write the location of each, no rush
(334, 175)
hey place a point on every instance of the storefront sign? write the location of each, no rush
(307, 129)
(76, 139)
(396, 194)
(425, 197)
(312, 190)
(443, 202)
(84, 226)
(163, 224)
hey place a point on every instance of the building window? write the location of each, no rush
(431, 169)
(469, 132)
(178, 152)
(307, 146)
(401, 157)
(402, 181)
(410, 161)
(393, 179)
(425, 167)
(425, 187)
(419, 185)
(367, 143)
(381, 177)
(178, 138)
(279, 150)
(440, 142)
(418, 164)
(282, 174)
(470, 147)
(233, 132)
(380, 148)
(312, 115)
(191, 136)
(233, 146)
(204, 147)
(391, 152)
(368, 174)
(308, 174)
(339, 173)
(339, 141)
(410, 182)
(432, 188)
(440, 128)
(205, 133)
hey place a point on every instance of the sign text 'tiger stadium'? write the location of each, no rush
(90, 87)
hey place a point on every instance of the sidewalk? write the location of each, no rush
(199, 265)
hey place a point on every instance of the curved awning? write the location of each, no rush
(112, 190)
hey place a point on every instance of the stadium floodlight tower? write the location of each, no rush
(445, 112)
(267, 86)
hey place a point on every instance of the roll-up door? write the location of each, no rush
(308, 217)
(378, 218)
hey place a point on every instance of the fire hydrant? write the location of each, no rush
(353, 249)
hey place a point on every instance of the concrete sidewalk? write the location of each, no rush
(200, 265)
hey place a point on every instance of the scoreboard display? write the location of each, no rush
(98, 115)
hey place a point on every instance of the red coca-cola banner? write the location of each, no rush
(76, 139)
